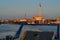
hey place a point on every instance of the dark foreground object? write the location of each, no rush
(33, 35)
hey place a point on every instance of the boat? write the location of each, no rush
(34, 34)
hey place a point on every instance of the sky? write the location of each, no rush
(12, 9)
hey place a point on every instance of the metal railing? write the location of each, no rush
(9, 37)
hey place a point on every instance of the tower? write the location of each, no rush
(38, 19)
(39, 10)
(39, 13)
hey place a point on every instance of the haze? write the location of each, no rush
(12, 9)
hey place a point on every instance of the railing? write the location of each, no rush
(9, 37)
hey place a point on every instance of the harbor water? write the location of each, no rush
(11, 29)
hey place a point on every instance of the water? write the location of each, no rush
(10, 29)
